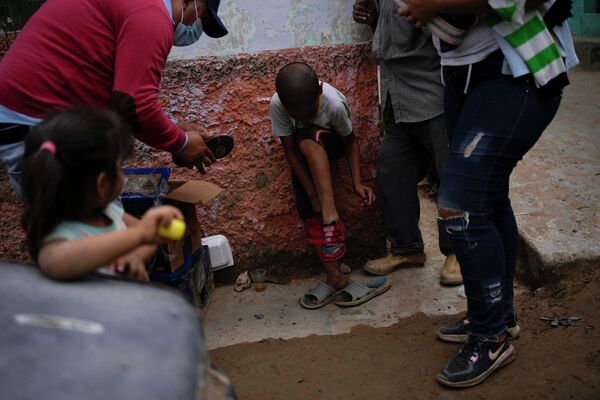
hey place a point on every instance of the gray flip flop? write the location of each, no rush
(358, 293)
(322, 293)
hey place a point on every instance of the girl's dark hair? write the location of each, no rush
(62, 186)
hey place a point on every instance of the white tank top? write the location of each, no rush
(476, 45)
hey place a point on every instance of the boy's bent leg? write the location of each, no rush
(333, 245)
(335, 281)
(318, 164)
(303, 203)
(335, 278)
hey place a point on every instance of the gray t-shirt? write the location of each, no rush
(333, 114)
(409, 65)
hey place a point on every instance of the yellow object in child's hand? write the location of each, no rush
(175, 230)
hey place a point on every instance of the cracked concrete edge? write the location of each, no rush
(536, 269)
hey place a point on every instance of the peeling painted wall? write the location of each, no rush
(231, 96)
(257, 25)
(217, 84)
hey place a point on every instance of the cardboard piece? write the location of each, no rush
(142, 193)
(193, 192)
(184, 264)
(185, 196)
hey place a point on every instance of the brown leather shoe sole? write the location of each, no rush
(449, 282)
(407, 264)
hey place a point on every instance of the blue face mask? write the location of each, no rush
(186, 35)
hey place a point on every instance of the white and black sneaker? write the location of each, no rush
(457, 331)
(478, 358)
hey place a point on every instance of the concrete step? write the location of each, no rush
(555, 190)
(588, 51)
(251, 316)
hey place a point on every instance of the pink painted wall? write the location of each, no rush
(256, 211)
(231, 96)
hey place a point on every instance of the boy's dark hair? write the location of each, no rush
(62, 186)
(297, 84)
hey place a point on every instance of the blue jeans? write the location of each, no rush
(404, 157)
(12, 156)
(491, 127)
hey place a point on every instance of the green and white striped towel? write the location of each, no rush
(526, 31)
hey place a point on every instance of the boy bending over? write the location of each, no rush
(312, 120)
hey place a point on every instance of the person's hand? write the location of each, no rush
(315, 203)
(131, 265)
(364, 12)
(196, 153)
(155, 217)
(366, 193)
(419, 12)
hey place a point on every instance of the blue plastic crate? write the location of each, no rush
(137, 202)
(194, 278)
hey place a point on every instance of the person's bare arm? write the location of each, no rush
(352, 151)
(467, 6)
(421, 11)
(450, 6)
(146, 251)
(67, 259)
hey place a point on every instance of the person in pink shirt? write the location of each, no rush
(102, 54)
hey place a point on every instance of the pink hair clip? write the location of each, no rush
(49, 146)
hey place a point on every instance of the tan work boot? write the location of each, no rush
(450, 274)
(391, 262)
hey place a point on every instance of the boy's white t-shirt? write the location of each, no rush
(334, 114)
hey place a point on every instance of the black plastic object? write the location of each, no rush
(96, 338)
(220, 145)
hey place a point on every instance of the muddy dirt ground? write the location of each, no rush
(401, 362)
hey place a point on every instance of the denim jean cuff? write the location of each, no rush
(488, 335)
(407, 248)
(446, 251)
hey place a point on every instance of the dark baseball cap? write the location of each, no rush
(214, 27)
